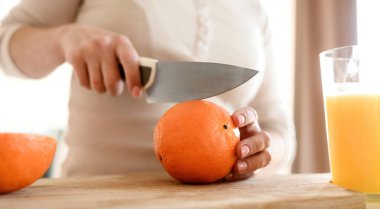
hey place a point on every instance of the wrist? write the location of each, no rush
(62, 34)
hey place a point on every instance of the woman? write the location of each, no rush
(110, 126)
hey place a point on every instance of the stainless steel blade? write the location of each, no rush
(182, 81)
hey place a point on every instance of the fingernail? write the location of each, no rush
(136, 92)
(242, 166)
(244, 151)
(139, 92)
(119, 87)
(251, 115)
(241, 119)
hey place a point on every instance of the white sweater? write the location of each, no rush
(108, 134)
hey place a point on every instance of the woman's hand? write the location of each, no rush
(251, 150)
(95, 55)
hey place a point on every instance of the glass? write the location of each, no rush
(351, 93)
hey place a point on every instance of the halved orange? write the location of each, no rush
(24, 158)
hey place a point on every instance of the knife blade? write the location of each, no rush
(172, 82)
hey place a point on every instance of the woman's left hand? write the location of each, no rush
(251, 151)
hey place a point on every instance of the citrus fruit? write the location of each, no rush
(24, 158)
(195, 142)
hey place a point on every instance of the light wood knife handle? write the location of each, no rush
(147, 71)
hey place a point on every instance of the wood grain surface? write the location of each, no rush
(158, 190)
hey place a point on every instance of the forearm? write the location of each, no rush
(36, 51)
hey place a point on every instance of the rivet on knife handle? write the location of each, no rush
(147, 71)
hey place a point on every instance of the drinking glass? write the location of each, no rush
(351, 93)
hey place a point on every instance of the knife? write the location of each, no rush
(172, 82)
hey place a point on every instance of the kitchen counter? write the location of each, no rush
(158, 190)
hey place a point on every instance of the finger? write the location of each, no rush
(252, 163)
(253, 145)
(247, 121)
(237, 176)
(96, 78)
(129, 59)
(83, 76)
(249, 130)
(110, 70)
(80, 69)
(95, 74)
(246, 116)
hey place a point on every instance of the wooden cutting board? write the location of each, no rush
(157, 190)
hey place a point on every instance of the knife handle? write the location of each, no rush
(147, 71)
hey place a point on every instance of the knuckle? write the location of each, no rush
(253, 146)
(251, 114)
(255, 163)
(99, 46)
(90, 47)
(249, 129)
(122, 39)
(104, 42)
(127, 52)
(131, 57)
(89, 50)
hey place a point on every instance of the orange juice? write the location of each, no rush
(353, 123)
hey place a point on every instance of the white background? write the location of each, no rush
(368, 26)
(38, 106)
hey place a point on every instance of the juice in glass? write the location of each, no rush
(353, 123)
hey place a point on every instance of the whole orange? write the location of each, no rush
(24, 158)
(195, 142)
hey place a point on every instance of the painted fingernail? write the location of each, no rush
(241, 119)
(136, 92)
(242, 166)
(244, 151)
(251, 115)
(119, 88)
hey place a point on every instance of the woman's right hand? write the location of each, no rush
(95, 55)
